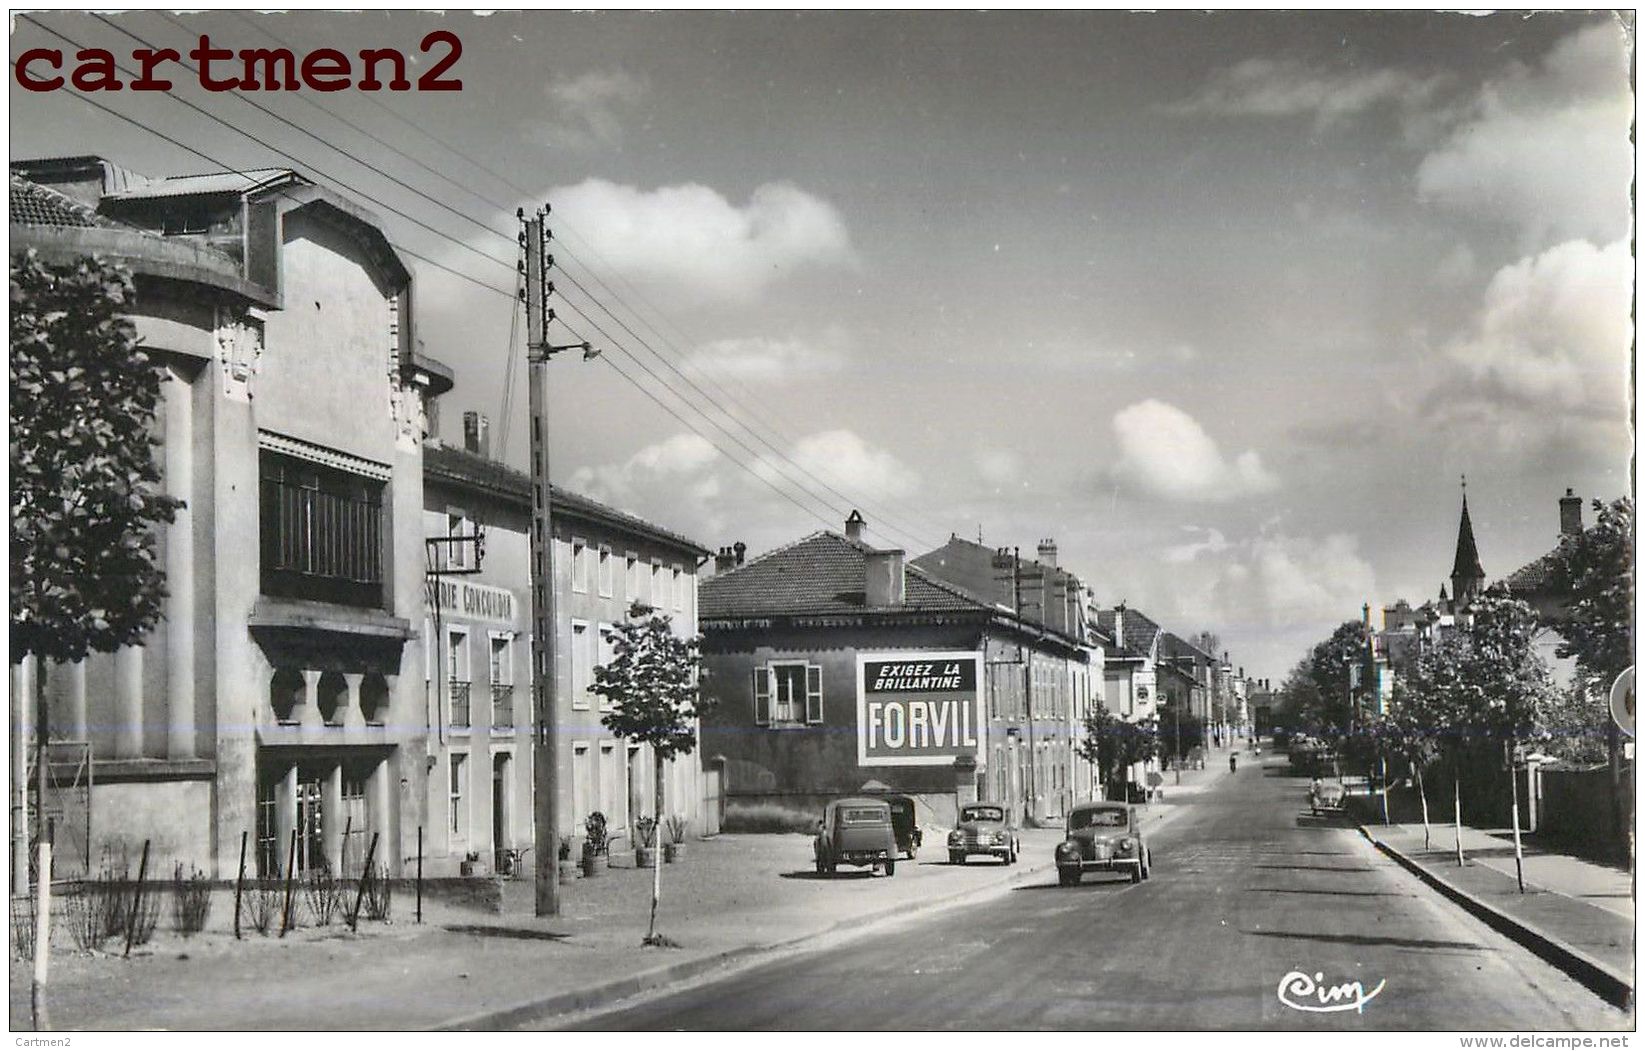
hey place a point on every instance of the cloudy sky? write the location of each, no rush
(1225, 304)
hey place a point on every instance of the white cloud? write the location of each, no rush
(849, 464)
(1553, 333)
(680, 471)
(1262, 87)
(587, 108)
(1272, 582)
(1546, 148)
(692, 241)
(999, 466)
(759, 359)
(1213, 543)
(1164, 451)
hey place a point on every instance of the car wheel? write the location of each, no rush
(821, 868)
(1068, 877)
(1136, 873)
(956, 858)
(890, 868)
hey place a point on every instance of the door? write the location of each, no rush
(499, 810)
(311, 843)
(636, 784)
(713, 794)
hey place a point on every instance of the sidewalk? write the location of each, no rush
(729, 899)
(1568, 902)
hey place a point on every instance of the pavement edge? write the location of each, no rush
(1609, 984)
(617, 989)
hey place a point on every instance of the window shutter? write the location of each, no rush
(813, 694)
(762, 696)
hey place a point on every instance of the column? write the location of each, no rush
(309, 717)
(353, 717)
(128, 702)
(179, 556)
(76, 675)
(285, 817)
(331, 817)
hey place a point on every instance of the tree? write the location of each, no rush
(1112, 744)
(84, 502)
(1331, 667)
(651, 682)
(1596, 568)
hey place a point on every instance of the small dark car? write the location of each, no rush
(904, 825)
(985, 828)
(1102, 837)
(856, 831)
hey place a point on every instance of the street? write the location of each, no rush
(1247, 887)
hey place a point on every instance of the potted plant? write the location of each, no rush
(567, 873)
(645, 842)
(595, 859)
(471, 865)
(674, 849)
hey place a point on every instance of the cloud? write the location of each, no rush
(1263, 87)
(999, 466)
(1164, 452)
(587, 108)
(682, 466)
(1553, 333)
(849, 464)
(691, 240)
(1213, 543)
(1273, 581)
(758, 359)
(1545, 148)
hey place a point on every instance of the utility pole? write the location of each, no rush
(545, 751)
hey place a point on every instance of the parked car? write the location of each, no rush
(1102, 837)
(1331, 796)
(856, 832)
(904, 826)
(985, 828)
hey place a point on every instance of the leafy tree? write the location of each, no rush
(651, 681)
(1112, 744)
(1597, 570)
(84, 503)
(1180, 731)
(1331, 669)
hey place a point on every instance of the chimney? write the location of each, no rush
(853, 526)
(738, 550)
(1119, 625)
(1570, 514)
(1048, 552)
(884, 581)
(476, 436)
(724, 560)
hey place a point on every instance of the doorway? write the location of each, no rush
(500, 840)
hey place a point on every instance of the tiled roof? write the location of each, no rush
(818, 575)
(464, 468)
(1139, 630)
(218, 182)
(36, 205)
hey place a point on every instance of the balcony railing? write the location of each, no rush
(459, 704)
(502, 706)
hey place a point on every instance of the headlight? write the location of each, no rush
(956, 836)
(1127, 845)
(1068, 849)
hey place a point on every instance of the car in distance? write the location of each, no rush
(904, 825)
(1102, 837)
(856, 831)
(984, 828)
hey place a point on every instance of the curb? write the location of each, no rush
(661, 977)
(1602, 979)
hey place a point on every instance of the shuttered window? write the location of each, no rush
(813, 694)
(762, 696)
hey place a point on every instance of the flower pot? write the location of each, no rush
(645, 857)
(673, 852)
(594, 864)
(567, 872)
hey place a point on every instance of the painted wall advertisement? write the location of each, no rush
(918, 709)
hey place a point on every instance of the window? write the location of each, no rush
(788, 694)
(605, 572)
(582, 784)
(458, 675)
(603, 651)
(659, 587)
(582, 664)
(458, 789)
(459, 555)
(428, 649)
(678, 589)
(320, 532)
(502, 681)
(579, 566)
(631, 578)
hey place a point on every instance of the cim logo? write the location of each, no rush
(917, 709)
(1300, 992)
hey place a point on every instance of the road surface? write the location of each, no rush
(1247, 887)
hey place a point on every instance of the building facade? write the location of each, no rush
(277, 699)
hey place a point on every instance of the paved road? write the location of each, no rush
(1246, 888)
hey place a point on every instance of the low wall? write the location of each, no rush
(1578, 808)
(174, 816)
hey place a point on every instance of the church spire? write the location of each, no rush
(1467, 576)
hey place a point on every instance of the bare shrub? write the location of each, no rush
(262, 901)
(767, 817)
(190, 900)
(83, 916)
(324, 893)
(22, 927)
(379, 897)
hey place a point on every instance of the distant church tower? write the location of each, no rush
(1467, 576)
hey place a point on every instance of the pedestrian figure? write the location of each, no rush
(1233, 760)
(1313, 795)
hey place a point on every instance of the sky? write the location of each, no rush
(1224, 304)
